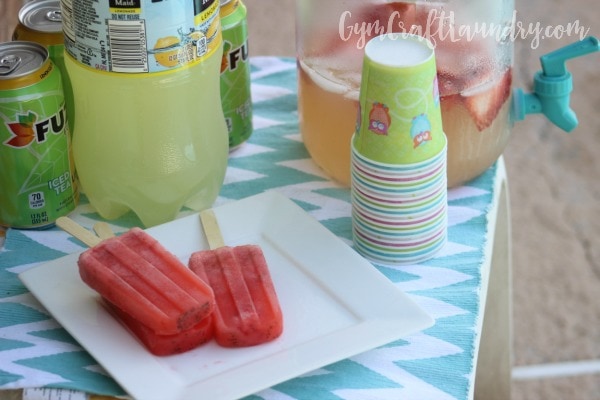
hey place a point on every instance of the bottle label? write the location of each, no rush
(140, 36)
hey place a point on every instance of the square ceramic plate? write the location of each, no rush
(335, 305)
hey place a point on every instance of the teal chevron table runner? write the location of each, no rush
(437, 363)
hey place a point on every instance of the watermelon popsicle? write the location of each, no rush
(164, 345)
(247, 309)
(138, 275)
(148, 249)
(135, 273)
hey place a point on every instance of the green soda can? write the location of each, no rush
(36, 168)
(235, 73)
(40, 21)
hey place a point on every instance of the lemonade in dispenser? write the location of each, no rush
(474, 49)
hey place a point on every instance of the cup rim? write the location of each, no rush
(399, 189)
(418, 244)
(402, 208)
(442, 218)
(408, 167)
(407, 254)
(401, 221)
(386, 259)
(398, 194)
(399, 169)
(378, 220)
(399, 212)
(399, 201)
(398, 178)
(399, 236)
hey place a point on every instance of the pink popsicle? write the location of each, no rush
(247, 309)
(139, 276)
(164, 345)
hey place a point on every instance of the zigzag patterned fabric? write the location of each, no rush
(35, 351)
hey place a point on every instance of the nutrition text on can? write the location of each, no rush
(235, 73)
(36, 169)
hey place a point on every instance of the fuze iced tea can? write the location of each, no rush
(235, 73)
(40, 21)
(36, 169)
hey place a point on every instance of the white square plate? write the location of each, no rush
(335, 305)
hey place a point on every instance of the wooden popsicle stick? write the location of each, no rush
(211, 229)
(78, 231)
(103, 230)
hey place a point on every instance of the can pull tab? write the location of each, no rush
(54, 16)
(8, 64)
(552, 86)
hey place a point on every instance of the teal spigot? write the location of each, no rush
(552, 87)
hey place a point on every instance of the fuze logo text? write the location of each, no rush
(28, 128)
(232, 57)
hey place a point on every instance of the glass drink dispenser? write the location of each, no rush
(473, 42)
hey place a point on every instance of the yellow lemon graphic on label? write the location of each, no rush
(166, 51)
(213, 28)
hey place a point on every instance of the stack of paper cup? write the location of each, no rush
(399, 195)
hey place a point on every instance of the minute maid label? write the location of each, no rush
(140, 36)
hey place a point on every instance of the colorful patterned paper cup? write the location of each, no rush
(400, 186)
(399, 170)
(383, 257)
(381, 231)
(398, 235)
(399, 120)
(399, 213)
(396, 207)
(385, 223)
(378, 226)
(404, 248)
(399, 254)
(394, 202)
(398, 180)
(398, 193)
(388, 222)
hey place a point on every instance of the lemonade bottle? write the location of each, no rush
(149, 132)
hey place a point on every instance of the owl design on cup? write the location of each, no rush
(420, 130)
(379, 119)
